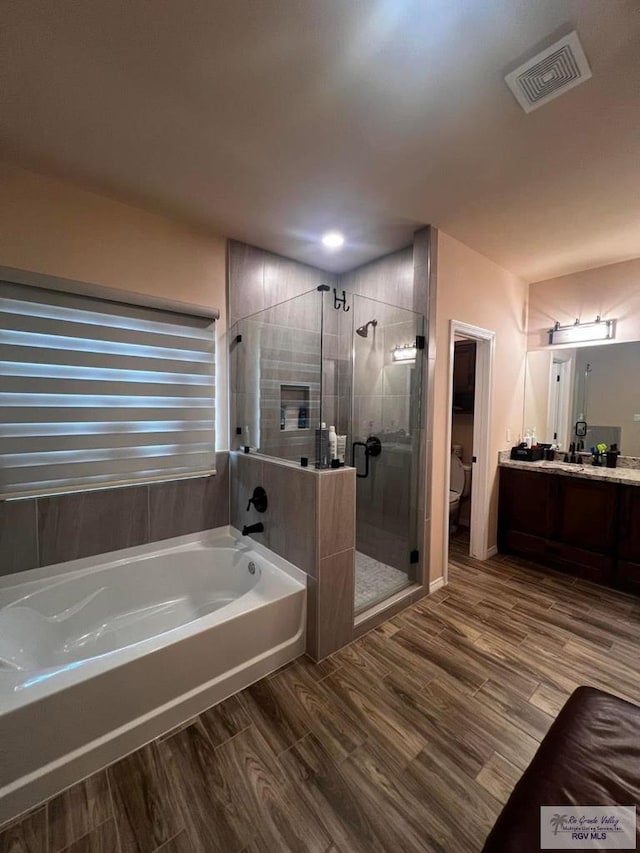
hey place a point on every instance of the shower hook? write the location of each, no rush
(338, 302)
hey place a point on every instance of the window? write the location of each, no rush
(97, 393)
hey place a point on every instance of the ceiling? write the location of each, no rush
(274, 120)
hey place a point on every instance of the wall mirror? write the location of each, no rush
(596, 384)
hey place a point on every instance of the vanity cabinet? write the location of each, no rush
(583, 538)
(628, 570)
(525, 517)
(568, 523)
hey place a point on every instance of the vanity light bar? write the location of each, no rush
(599, 330)
(407, 352)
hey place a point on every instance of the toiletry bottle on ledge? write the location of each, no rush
(333, 444)
(322, 447)
(341, 444)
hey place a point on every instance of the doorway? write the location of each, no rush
(558, 426)
(474, 394)
(462, 420)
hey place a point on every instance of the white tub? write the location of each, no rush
(99, 656)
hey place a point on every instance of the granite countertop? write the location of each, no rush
(626, 476)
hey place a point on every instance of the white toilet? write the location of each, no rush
(459, 488)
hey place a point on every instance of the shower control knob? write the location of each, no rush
(374, 446)
(258, 499)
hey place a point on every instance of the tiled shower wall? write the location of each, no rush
(384, 506)
(259, 280)
(277, 348)
(310, 521)
(387, 279)
(43, 531)
(290, 518)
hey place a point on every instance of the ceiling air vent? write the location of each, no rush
(550, 73)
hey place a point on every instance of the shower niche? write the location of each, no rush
(339, 359)
(294, 407)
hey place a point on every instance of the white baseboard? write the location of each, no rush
(438, 583)
(491, 552)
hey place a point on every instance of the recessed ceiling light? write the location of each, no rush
(332, 239)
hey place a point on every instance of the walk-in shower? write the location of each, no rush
(314, 360)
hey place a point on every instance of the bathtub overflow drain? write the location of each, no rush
(252, 568)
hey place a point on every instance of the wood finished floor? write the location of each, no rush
(410, 739)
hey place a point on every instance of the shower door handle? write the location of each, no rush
(372, 447)
(366, 458)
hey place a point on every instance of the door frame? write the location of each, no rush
(565, 371)
(485, 340)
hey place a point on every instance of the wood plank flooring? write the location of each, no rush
(409, 739)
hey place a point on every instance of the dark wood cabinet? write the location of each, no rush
(628, 568)
(526, 501)
(584, 538)
(464, 376)
(568, 523)
(587, 514)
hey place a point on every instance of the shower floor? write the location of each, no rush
(375, 581)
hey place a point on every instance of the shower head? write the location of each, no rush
(363, 331)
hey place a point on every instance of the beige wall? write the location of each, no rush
(51, 227)
(612, 291)
(472, 289)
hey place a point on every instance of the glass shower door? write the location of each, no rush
(386, 432)
(276, 378)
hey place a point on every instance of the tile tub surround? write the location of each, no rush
(310, 521)
(627, 476)
(410, 739)
(43, 531)
(18, 536)
(290, 519)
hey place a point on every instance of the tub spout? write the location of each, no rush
(253, 528)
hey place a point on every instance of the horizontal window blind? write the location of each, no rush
(95, 393)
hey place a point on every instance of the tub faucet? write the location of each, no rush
(253, 528)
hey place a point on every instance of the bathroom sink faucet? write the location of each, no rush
(253, 528)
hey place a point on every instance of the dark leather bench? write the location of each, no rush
(590, 756)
